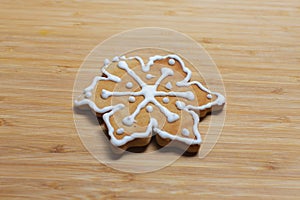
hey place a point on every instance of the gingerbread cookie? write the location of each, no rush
(139, 96)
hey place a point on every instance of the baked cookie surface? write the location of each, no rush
(141, 96)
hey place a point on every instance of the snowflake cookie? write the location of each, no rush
(160, 97)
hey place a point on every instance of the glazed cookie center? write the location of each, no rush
(149, 92)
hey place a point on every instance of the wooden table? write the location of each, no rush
(256, 47)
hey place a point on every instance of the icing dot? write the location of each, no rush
(88, 94)
(129, 85)
(120, 131)
(171, 61)
(168, 86)
(149, 109)
(185, 132)
(180, 105)
(106, 61)
(209, 96)
(149, 76)
(131, 99)
(166, 100)
(115, 59)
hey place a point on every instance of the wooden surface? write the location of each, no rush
(256, 47)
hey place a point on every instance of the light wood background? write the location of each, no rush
(256, 47)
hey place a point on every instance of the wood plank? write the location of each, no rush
(255, 45)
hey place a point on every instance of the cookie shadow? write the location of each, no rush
(173, 149)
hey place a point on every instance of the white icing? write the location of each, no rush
(149, 76)
(106, 61)
(88, 95)
(120, 131)
(109, 76)
(218, 102)
(83, 102)
(187, 95)
(149, 92)
(146, 67)
(129, 85)
(166, 100)
(185, 132)
(180, 105)
(200, 86)
(105, 94)
(131, 99)
(209, 96)
(184, 83)
(168, 86)
(171, 61)
(149, 109)
(123, 65)
(115, 59)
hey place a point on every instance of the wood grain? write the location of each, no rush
(256, 47)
